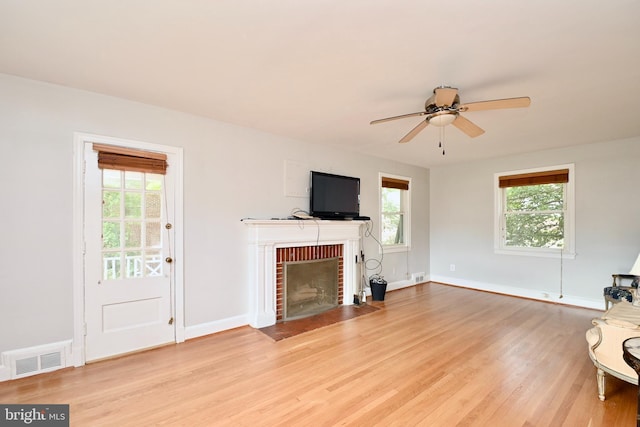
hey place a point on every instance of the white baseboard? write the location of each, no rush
(208, 328)
(540, 295)
(35, 360)
(5, 373)
(392, 286)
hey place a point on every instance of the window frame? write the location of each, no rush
(406, 211)
(568, 251)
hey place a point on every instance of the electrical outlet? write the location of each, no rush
(452, 267)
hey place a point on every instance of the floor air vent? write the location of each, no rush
(418, 277)
(38, 364)
(37, 360)
(51, 360)
(26, 366)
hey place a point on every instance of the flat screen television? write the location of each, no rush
(334, 196)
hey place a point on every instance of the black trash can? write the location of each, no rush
(378, 288)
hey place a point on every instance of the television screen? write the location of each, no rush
(334, 196)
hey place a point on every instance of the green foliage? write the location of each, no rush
(110, 234)
(545, 197)
(534, 216)
(392, 216)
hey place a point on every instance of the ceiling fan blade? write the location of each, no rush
(497, 104)
(467, 126)
(421, 113)
(445, 96)
(416, 130)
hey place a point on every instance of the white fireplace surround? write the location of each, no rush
(266, 236)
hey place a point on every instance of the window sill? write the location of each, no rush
(542, 253)
(395, 248)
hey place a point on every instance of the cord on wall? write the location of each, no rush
(561, 266)
(372, 263)
(407, 274)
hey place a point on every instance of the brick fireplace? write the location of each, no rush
(272, 241)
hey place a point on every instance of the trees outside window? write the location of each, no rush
(534, 216)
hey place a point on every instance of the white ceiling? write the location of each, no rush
(321, 70)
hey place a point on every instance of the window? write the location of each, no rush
(395, 208)
(535, 211)
(132, 200)
(131, 227)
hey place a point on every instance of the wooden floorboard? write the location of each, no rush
(433, 355)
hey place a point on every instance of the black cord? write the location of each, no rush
(372, 263)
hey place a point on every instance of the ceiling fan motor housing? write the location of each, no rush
(441, 115)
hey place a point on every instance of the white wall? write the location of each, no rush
(607, 225)
(230, 173)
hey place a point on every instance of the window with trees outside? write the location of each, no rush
(535, 211)
(395, 208)
(132, 206)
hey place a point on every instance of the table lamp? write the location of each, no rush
(635, 270)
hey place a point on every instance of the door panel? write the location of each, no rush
(128, 282)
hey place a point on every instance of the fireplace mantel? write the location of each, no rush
(265, 236)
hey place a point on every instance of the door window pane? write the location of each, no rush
(132, 205)
(111, 178)
(110, 235)
(154, 181)
(153, 234)
(153, 263)
(153, 209)
(131, 224)
(111, 265)
(132, 234)
(134, 264)
(133, 180)
(111, 204)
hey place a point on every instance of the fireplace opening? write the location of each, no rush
(310, 287)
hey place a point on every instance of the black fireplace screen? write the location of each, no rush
(310, 287)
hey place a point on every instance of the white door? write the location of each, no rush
(128, 282)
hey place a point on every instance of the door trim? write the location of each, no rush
(79, 140)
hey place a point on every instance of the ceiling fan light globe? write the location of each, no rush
(442, 119)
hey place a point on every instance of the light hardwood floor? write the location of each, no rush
(435, 355)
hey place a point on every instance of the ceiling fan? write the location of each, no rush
(444, 108)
